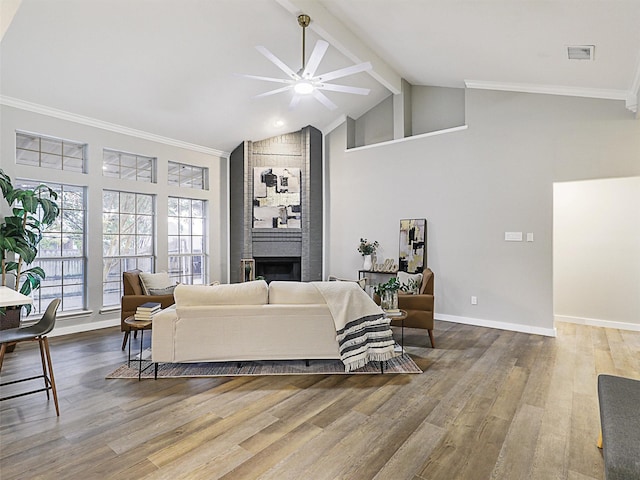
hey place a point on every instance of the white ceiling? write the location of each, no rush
(168, 67)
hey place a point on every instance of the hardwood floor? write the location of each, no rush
(490, 404)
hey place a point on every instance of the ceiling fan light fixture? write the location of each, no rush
(303, 87)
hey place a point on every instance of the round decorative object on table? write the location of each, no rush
(140, 325)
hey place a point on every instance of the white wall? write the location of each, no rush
(97, 138)
(596, 252)
(472, 186)
(436, 108)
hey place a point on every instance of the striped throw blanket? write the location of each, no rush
(363, 332)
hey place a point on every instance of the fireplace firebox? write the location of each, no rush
(278, 268)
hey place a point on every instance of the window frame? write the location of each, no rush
(124, 262)
(58, 229)
(81, 146)
(180, 257)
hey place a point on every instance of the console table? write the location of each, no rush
(371, 276)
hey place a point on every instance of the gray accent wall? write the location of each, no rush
(472, 186)
(302, 149)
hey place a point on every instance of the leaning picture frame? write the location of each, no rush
(413, 245)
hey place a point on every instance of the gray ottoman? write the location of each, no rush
(620, 420)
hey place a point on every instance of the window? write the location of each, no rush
(128, 166)
(49, 152)
(127, 239)
(186, 228)
(61, 252)
(182, 175)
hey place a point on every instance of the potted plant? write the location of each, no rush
(388, 293)
(367, 249)
(32, 211)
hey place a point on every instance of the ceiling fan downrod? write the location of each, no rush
(303, 21)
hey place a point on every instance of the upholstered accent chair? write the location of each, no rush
(419, 306)
(133, 297)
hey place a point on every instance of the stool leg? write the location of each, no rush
(53, 381)
(3, 349)
(44, 367)
(600, 440)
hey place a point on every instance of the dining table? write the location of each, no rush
(10, 298)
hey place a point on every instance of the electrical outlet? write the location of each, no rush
(474, 300)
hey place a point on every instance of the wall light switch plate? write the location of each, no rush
(512, 236)
(474, 300)
(529, 237)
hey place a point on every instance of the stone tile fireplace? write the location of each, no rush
(275, 189)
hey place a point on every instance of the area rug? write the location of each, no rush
(399, 364)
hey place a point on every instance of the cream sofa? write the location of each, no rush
(244, 322)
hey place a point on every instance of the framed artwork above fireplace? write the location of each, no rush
(276, 197)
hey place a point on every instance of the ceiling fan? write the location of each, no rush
(305, 81)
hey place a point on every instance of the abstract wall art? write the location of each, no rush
(276, 197)
(413, 245)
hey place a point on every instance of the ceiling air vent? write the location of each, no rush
(580, 52)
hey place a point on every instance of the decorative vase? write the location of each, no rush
(389, 300)
(368, 262)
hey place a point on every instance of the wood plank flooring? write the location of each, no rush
(490, 404)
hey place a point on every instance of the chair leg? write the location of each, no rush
(124, 341)
(3, 350)
(44, 367)
(53, 382)
(433, 344)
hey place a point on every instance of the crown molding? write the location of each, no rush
(602, 93)
(112, 127)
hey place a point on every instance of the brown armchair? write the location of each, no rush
(419, 307)
(134, 297)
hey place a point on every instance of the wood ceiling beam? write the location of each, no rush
(339, 36)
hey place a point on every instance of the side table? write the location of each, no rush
(399, 316)
(140, 325)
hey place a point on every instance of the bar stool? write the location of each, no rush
(37, 332)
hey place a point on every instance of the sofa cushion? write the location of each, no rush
(154, 281)
(247, 293)
(294, 293)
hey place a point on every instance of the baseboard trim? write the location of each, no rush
(84, 327)
(514, 327)
(597, 322)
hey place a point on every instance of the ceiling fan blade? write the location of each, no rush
(277, 62)
(294, 101)
(314, 60)
(266, 79)
(343, 72)
(322, 98)
(273, 92)
(344, 89)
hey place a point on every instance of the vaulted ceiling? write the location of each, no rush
(168, 67)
